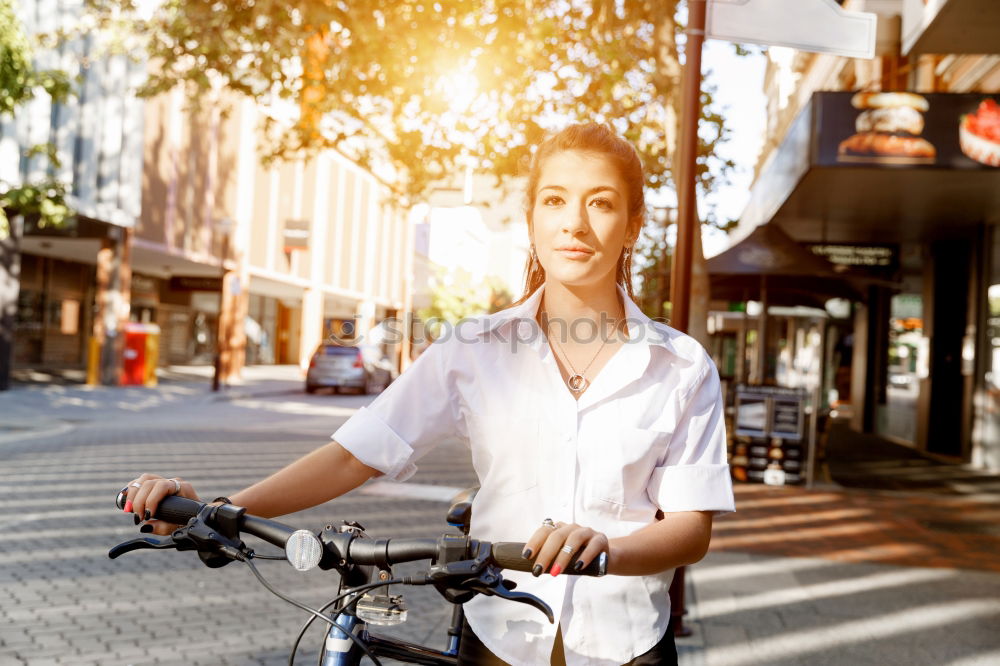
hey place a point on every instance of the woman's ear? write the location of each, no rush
(632, 231)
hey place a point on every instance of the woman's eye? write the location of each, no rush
(603, 204)
(552, 200)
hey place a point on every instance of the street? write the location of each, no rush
(830, 576)
(66, 602)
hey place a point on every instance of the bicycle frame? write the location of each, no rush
(339, 650)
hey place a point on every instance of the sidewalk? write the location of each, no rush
(898, 565)
(43, 408)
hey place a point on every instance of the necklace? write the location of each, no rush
(577, 381)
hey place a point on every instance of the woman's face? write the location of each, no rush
(580, 218)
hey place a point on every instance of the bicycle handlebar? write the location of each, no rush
(507, 555)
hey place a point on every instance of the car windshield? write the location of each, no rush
(337, 350)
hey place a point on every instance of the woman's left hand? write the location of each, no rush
(564, 547)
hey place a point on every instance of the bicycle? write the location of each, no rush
(461, 567)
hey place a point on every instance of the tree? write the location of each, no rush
(421, 83)
(406, 88)
(20, 81)
(454, 296)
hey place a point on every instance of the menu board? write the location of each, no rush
(751, 415)
(786, 418)
(769, 411)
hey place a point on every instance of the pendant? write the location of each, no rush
(577, 383)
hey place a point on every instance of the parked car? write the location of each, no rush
(362, 368)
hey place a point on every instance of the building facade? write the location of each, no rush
(910, 177)
(179, 224)
(70, 286)
(299, 248)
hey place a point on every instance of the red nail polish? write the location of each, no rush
(128, 506)
(555, 570)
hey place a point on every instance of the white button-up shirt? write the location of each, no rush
(647, 434)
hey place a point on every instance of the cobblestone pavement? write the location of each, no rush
(829, 576)
(64, 601)
(835, 576)
(850, 525)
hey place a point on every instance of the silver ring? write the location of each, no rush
(569, 550)
(135, 484)
(177, 485)
(548, 522)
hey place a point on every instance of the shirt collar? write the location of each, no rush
(640, 327)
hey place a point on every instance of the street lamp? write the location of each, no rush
(225, 227)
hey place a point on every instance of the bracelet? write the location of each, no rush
(224, 500)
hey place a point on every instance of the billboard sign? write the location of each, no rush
(903, 129)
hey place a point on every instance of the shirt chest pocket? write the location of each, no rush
(621, 466)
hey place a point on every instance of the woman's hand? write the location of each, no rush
(559, 547)
(145, 493)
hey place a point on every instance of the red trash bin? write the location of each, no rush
(139, 355)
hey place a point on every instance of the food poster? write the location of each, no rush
(902, 129)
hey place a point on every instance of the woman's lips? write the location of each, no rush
(574, 252)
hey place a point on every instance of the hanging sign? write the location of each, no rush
(821, 26)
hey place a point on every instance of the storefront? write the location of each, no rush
(916, 174)
(54, 310)
(261, 329)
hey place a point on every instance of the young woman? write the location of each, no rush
(592, 429)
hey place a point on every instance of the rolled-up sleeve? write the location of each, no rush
(415, 413)
(693, 474)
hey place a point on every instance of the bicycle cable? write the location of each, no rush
(331, 621)
(353, 590)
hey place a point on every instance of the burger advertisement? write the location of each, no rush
(903, 129)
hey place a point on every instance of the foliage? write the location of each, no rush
(455, 296)
(408, 88)
(19, 82)
(420, 84)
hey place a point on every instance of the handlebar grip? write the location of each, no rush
(508, 555)
(179, 510)
(172, 509)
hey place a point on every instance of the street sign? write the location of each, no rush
(191, 283)
(807, 25)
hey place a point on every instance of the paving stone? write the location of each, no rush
(794, 577)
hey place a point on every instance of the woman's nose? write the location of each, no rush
(576, 220)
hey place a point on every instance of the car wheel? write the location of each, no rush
(310, 389)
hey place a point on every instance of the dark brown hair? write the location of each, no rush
(590, 138)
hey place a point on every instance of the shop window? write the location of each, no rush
(908, 353)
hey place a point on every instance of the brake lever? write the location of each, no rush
(504, 592)
(460, 581)
(141, 543)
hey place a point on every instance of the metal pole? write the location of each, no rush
(760, 362)
(687, 154)
(687, 222)
(817, 396)
(219, 330)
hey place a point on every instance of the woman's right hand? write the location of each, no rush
(145, 493)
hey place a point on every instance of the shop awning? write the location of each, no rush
(888, 168)
(951, 26)
(769, 258)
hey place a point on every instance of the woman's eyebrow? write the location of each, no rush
(593, 190)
